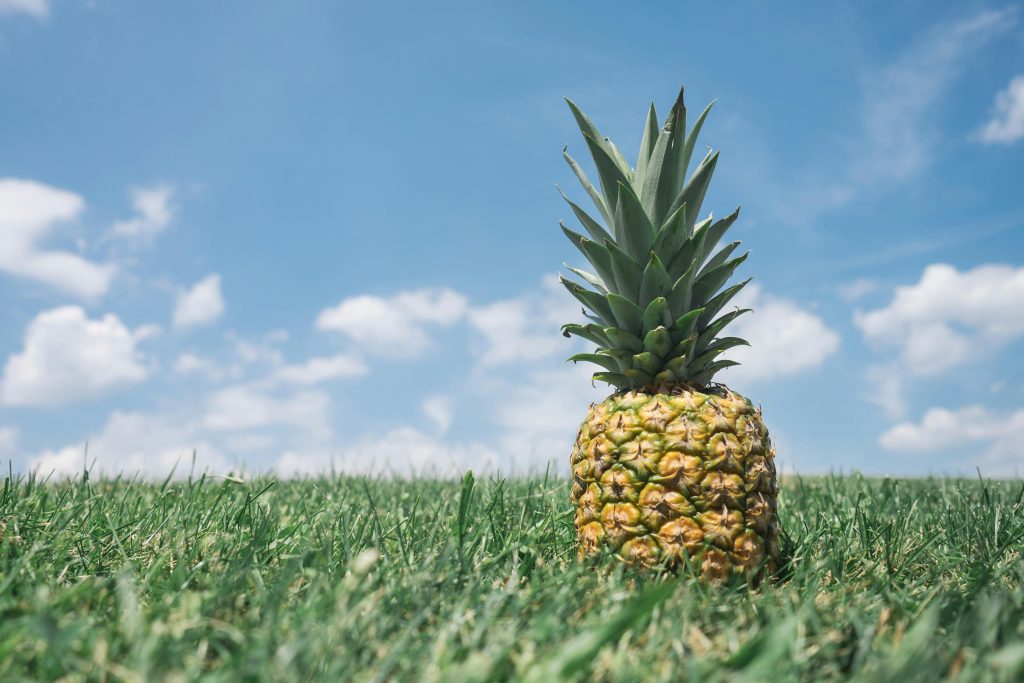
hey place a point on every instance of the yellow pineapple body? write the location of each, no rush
(677, 476)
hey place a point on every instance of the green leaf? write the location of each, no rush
(605, 362)
(715, 303)
(647, 362)
(691, 140)
(718, 259)
(589, 130)
(595, 254)
(623, 339)
(681, 296)
(722, 344)
(594, 280)
(626, 313)
(655, 281)
(656, 314)
(710, 283)
(646, 146)
(595, 196)
(684, 324)
(673, 234)
(712, 330)
(704, 377)
(638, 377)
(626, 272)
(592, 333)
(597, 232)
(714, 233)
(696, 187)
(688, 254)
(633, 229)
(616, 379)
(671, 175)
(684, 349)
(608, 170)
(592, 300)
(652, 174)
(658, 341)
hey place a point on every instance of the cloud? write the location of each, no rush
(944, 319)
(29, 213)
(134, 443)
(899, 143)
(153, 213)
(317, 370)
(40, 9)
(247, 407)
(394, 326)
(200, 305)
(439, 410)
(524, 328)
(8, 441)
(886, 389)
(784, 338)
(857, 289)
(941, 429)
(402, 452)
(1007, 123)
(68, 357)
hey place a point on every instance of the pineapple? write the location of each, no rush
(673, 468)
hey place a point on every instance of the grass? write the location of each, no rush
(374, 580)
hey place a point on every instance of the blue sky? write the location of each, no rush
(296, 236)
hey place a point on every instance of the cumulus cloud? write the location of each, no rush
(133, 443)
(317, 370)
(68, 357)
(402, 452)
(784, 338)
(40, 9)
(201, 305)
(439, 410)
(525, 328)
(944, 319)
(247, 407)
(1007, 123)
(8, 441)
(1000, 432)
(153, 213)
(29, 213)
(394, 326)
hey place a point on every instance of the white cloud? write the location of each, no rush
(886, 389)
(394, 326)
(153, 213)
(1007, 123)
(317, 370)
(941, 429)
(944, 319)
(189, 363)
(68, 357)
(133, 443)
(200, 305)
(439, 410)
(899, 98)
(8, 441)
(784, 338)
(857, 289)
(29, 213)
(525, 328)
(40, 9)
(403, 452)
(247, 407)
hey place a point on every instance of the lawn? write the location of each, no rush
(342, 578)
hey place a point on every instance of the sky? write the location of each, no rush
(323, 236)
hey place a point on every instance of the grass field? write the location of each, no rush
(342, 579)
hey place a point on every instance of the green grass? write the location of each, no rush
(341, 579)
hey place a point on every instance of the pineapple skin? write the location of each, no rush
(674, 475)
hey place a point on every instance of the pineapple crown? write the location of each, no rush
(657, 286)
